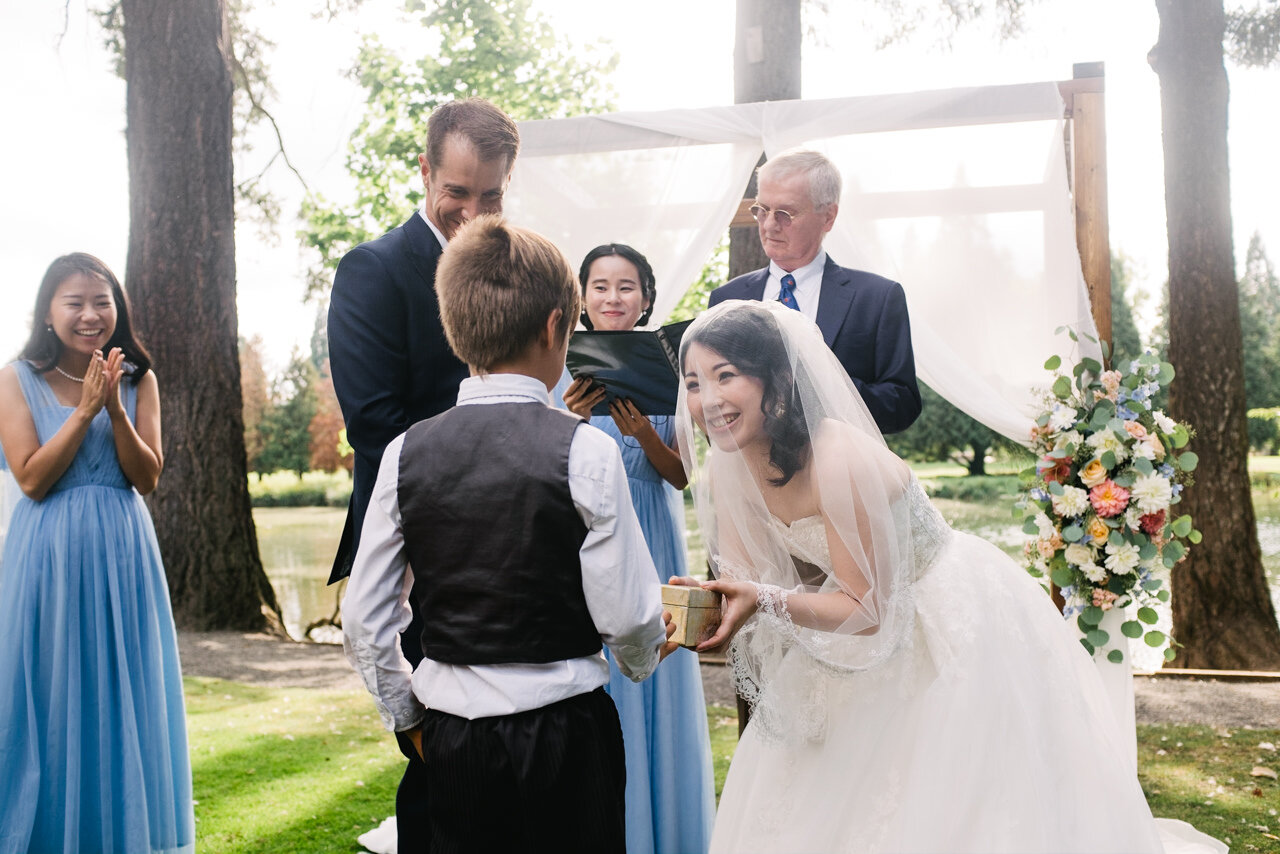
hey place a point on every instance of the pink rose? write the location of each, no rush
(1136, 430)
(1109, 498)
(1104, 599)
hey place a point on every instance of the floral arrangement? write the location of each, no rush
(1100, 503)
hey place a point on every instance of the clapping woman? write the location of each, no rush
(670, 785)
(93, 741)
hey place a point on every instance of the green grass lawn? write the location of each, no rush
(297, 770)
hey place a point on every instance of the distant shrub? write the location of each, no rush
(1264, 430)
(314, 489)
(980, 488)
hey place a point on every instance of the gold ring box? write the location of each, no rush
(694, 611)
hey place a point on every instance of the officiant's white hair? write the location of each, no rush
(824, 178)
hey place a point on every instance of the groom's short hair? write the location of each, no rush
(824, 178)
(497, 284)
(491, 132)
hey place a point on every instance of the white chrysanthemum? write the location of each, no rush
(1071, 437)
(1078, 554)
(1133, 516)
(1143, 450)
(1122, 559)
(1073, 501)
(1106, 440)
(1093, 572)
(1062, 418)
(1151, 492)
(1164, 422)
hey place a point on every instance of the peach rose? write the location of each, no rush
(1098, 530)
(1093, 473)
(1136, 430)
(1156, 446)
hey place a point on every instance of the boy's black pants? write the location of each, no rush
(547, 779)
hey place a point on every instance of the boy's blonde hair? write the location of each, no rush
(497, 284)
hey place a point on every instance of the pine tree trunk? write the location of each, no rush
(1222, 611)
(181, 279)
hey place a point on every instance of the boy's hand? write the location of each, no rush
(415, 738)
(670, 646)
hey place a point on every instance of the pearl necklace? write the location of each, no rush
(74, 379)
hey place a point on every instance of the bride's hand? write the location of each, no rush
(740, 604)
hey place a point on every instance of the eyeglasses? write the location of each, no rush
(784, 218)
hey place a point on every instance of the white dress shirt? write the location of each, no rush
(619, 582)
(422, 212)
(808, 284)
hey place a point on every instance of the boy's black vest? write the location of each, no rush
(492, 535)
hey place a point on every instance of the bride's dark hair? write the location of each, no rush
(750, 340)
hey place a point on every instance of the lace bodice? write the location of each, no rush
(806, 538)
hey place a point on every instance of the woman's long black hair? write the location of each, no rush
(648, 285)
(43, 349)
(751, 342)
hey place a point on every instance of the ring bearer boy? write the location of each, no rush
(511, 523)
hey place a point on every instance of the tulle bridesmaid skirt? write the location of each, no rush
(93, 742)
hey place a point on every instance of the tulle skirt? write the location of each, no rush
(93, 740)
(987, 732)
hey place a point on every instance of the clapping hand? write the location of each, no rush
(582, 395)
(113, 370)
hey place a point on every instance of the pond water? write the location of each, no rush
(298, 544)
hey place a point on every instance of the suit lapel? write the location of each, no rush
(423, 247)
(753, 286)
(834, 300)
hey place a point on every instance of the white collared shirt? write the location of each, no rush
(808, 284)
(619, 583)
(422, 212)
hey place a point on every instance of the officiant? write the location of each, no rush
(862, 316)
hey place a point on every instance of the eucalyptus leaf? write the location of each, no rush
(1116, 539)
(1166, 374)
(1115, 656)
(1073, 533)
(1029, 526)
(1148, 616)
(1188, 460)
(1091, 365)
(1180, 436)
(1144, 466)
(1154, 639)
(1052, 363)
(1163, 595)
(1175, 550)
(1169, 654)
(1131, 629)
(1088, 647)
(1092, 615)
(1126, 479)
(1061, 388)
(1152, 584)
(1195, 536)
(1149, 551)
(1098, 637)
(1061, 577)
(1182, 526)
(1055, 488)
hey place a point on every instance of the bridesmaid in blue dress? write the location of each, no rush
(93, 741)
(670, 784)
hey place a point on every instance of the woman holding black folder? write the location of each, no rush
(670, 784)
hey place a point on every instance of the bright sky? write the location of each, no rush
(65, 187)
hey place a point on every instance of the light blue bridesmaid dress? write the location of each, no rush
(93, 739)
(671, 793)
(671, 790)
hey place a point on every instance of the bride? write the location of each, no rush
(912, 688)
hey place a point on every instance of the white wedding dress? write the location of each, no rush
(985, 730)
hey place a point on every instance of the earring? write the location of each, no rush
(780, 410)
(48, 328)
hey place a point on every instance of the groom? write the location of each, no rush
(391, 364)
(862, 316)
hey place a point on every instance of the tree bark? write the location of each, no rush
(1222, 610)
(766, 67)
(181, 279)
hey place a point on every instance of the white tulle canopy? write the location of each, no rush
(962, 195)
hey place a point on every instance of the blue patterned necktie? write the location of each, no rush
(787, 293)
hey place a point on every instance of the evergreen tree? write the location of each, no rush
(286, 426)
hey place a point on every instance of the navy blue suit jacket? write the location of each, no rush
(863, 318)
(388, 356)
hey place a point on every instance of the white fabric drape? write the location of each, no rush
(961, 195)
